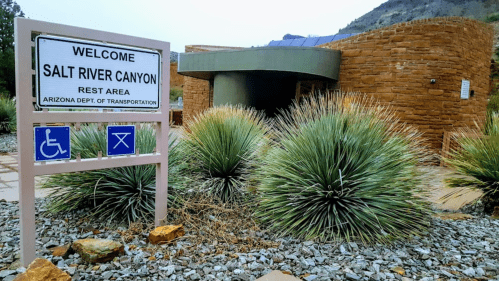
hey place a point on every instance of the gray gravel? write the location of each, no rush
(452, 250)
(8, 143)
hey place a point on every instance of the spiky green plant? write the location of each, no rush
(7, 115)
(342, 171)
(223, 145)
(478, 157)
(115, 194)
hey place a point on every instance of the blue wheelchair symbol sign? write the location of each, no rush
(120, 140)
(52, 143)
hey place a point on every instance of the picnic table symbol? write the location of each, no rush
(121, 137)
(120, 140)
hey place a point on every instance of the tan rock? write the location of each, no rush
(276, 275)
(495, 213)
(87, 228)
(43, 270)
(166, 233)
(453, 216)
(98, 250)
(399, 270)
(62, 251)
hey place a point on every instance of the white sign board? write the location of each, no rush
(465, 89)
(83, 74)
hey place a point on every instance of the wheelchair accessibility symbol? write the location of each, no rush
(52, 143)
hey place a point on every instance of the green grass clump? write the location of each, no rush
(341, 171)
(7, 115)
(491, 18)
(478, 157)
(223, 145)
(493, 105)
(123, 194)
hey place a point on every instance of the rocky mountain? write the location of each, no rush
(395, 11)
(290, 36)
(173, 56)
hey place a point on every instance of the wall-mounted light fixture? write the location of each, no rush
(433, 81)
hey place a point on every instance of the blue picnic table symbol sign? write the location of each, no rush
(52, 143)
(120, 140)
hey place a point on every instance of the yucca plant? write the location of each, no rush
(7, 115)
(223, 145)
(123, 194)
(343, 169)
(478, 157)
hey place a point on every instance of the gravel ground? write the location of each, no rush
(452, 250)
(8, 143)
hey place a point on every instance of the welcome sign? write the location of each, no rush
(84, 74)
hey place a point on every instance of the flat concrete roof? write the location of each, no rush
(300, 62)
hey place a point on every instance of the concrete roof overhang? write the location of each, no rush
(304, 63)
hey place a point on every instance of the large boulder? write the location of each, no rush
(166, 233)
(98, 250)
(42, 270)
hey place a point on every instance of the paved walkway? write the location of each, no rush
(9, 179)
(433, 182)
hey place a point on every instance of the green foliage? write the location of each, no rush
(90, 140)
(7, 115)
(340, 172)
(121, 194)
(8, 11)
(175, 93)
(493, 105)
(223, 144)
(491, 18)
(491, 124)
(478, 157)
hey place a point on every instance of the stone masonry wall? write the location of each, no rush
(176, 80)
(395, 65)
(196, 97)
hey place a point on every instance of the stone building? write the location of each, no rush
(433, 72)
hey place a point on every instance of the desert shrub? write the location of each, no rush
(7, 115)
(491, 18)
(175, 93)
(341, 171)
(124, 194)
(478, 157)
(493, 105)
(490, 127)
(223, 145)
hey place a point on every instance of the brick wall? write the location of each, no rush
(197, 94)
(176, 80)
(196, 97)
(395, 65)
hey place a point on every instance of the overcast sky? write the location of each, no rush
(202, 22)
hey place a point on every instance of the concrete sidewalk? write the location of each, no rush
(9, 179)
